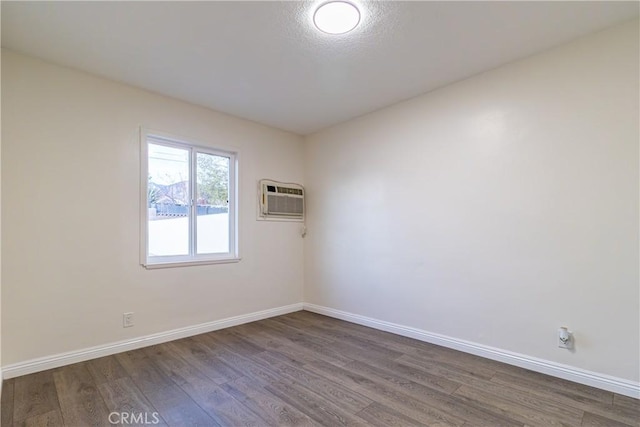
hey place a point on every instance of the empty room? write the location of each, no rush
(351, 212)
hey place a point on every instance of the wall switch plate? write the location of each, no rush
(127, 320)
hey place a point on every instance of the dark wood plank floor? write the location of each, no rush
(305, 369)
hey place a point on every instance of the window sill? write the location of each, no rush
(174, 264)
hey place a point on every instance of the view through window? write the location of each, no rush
(190, 214)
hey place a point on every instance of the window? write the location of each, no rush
(189, 203)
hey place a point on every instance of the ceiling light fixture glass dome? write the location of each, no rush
(336, 17)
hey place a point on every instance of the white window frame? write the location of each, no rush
(148, 136)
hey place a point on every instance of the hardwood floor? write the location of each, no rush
(305, 369)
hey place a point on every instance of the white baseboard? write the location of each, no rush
(62, 359)
(594, 379)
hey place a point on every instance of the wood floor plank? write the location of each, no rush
(343, 331)
(229, 340)
(627, 402)
(442, 402)
(122, 396)
(106, 369)
(436, 382)
(254, 333)
(349, 400)
(375, 334)
(382, 416)
(7, 402)
(458, 358)
(454, 362)
(295, 334)
(438, 371)
(335, 332)
(399, 398)
(48, 419)
(304, 340)
(34, 395)
(371, 348)
(272, 409)
(80, 402)
(171, 365)
(177, 409)
(563, 413)
(561, 385)
(220, 405)
(310, 350)
(143, 371)
(284, 357)
(550, 392)
(363, 353)
(566, 414)
(316, 407)
(341, 340)
(202, 359)
(240, 363)
(513, 410)
(593, 420)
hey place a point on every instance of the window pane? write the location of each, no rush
(212, 204)
(168, 193)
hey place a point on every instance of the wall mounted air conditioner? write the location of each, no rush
(281, 201)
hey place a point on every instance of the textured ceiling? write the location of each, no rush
(265, 62)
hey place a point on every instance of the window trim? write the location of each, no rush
(149, 136)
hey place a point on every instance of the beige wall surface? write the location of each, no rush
(494, 210)
(70, 215)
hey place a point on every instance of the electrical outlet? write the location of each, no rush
(127, 320)
(565, 338)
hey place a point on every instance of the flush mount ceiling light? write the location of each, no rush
(336, 17)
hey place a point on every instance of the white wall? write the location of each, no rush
(494, 210)
(70, 215)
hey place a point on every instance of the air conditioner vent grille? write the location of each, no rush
(285, 205)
